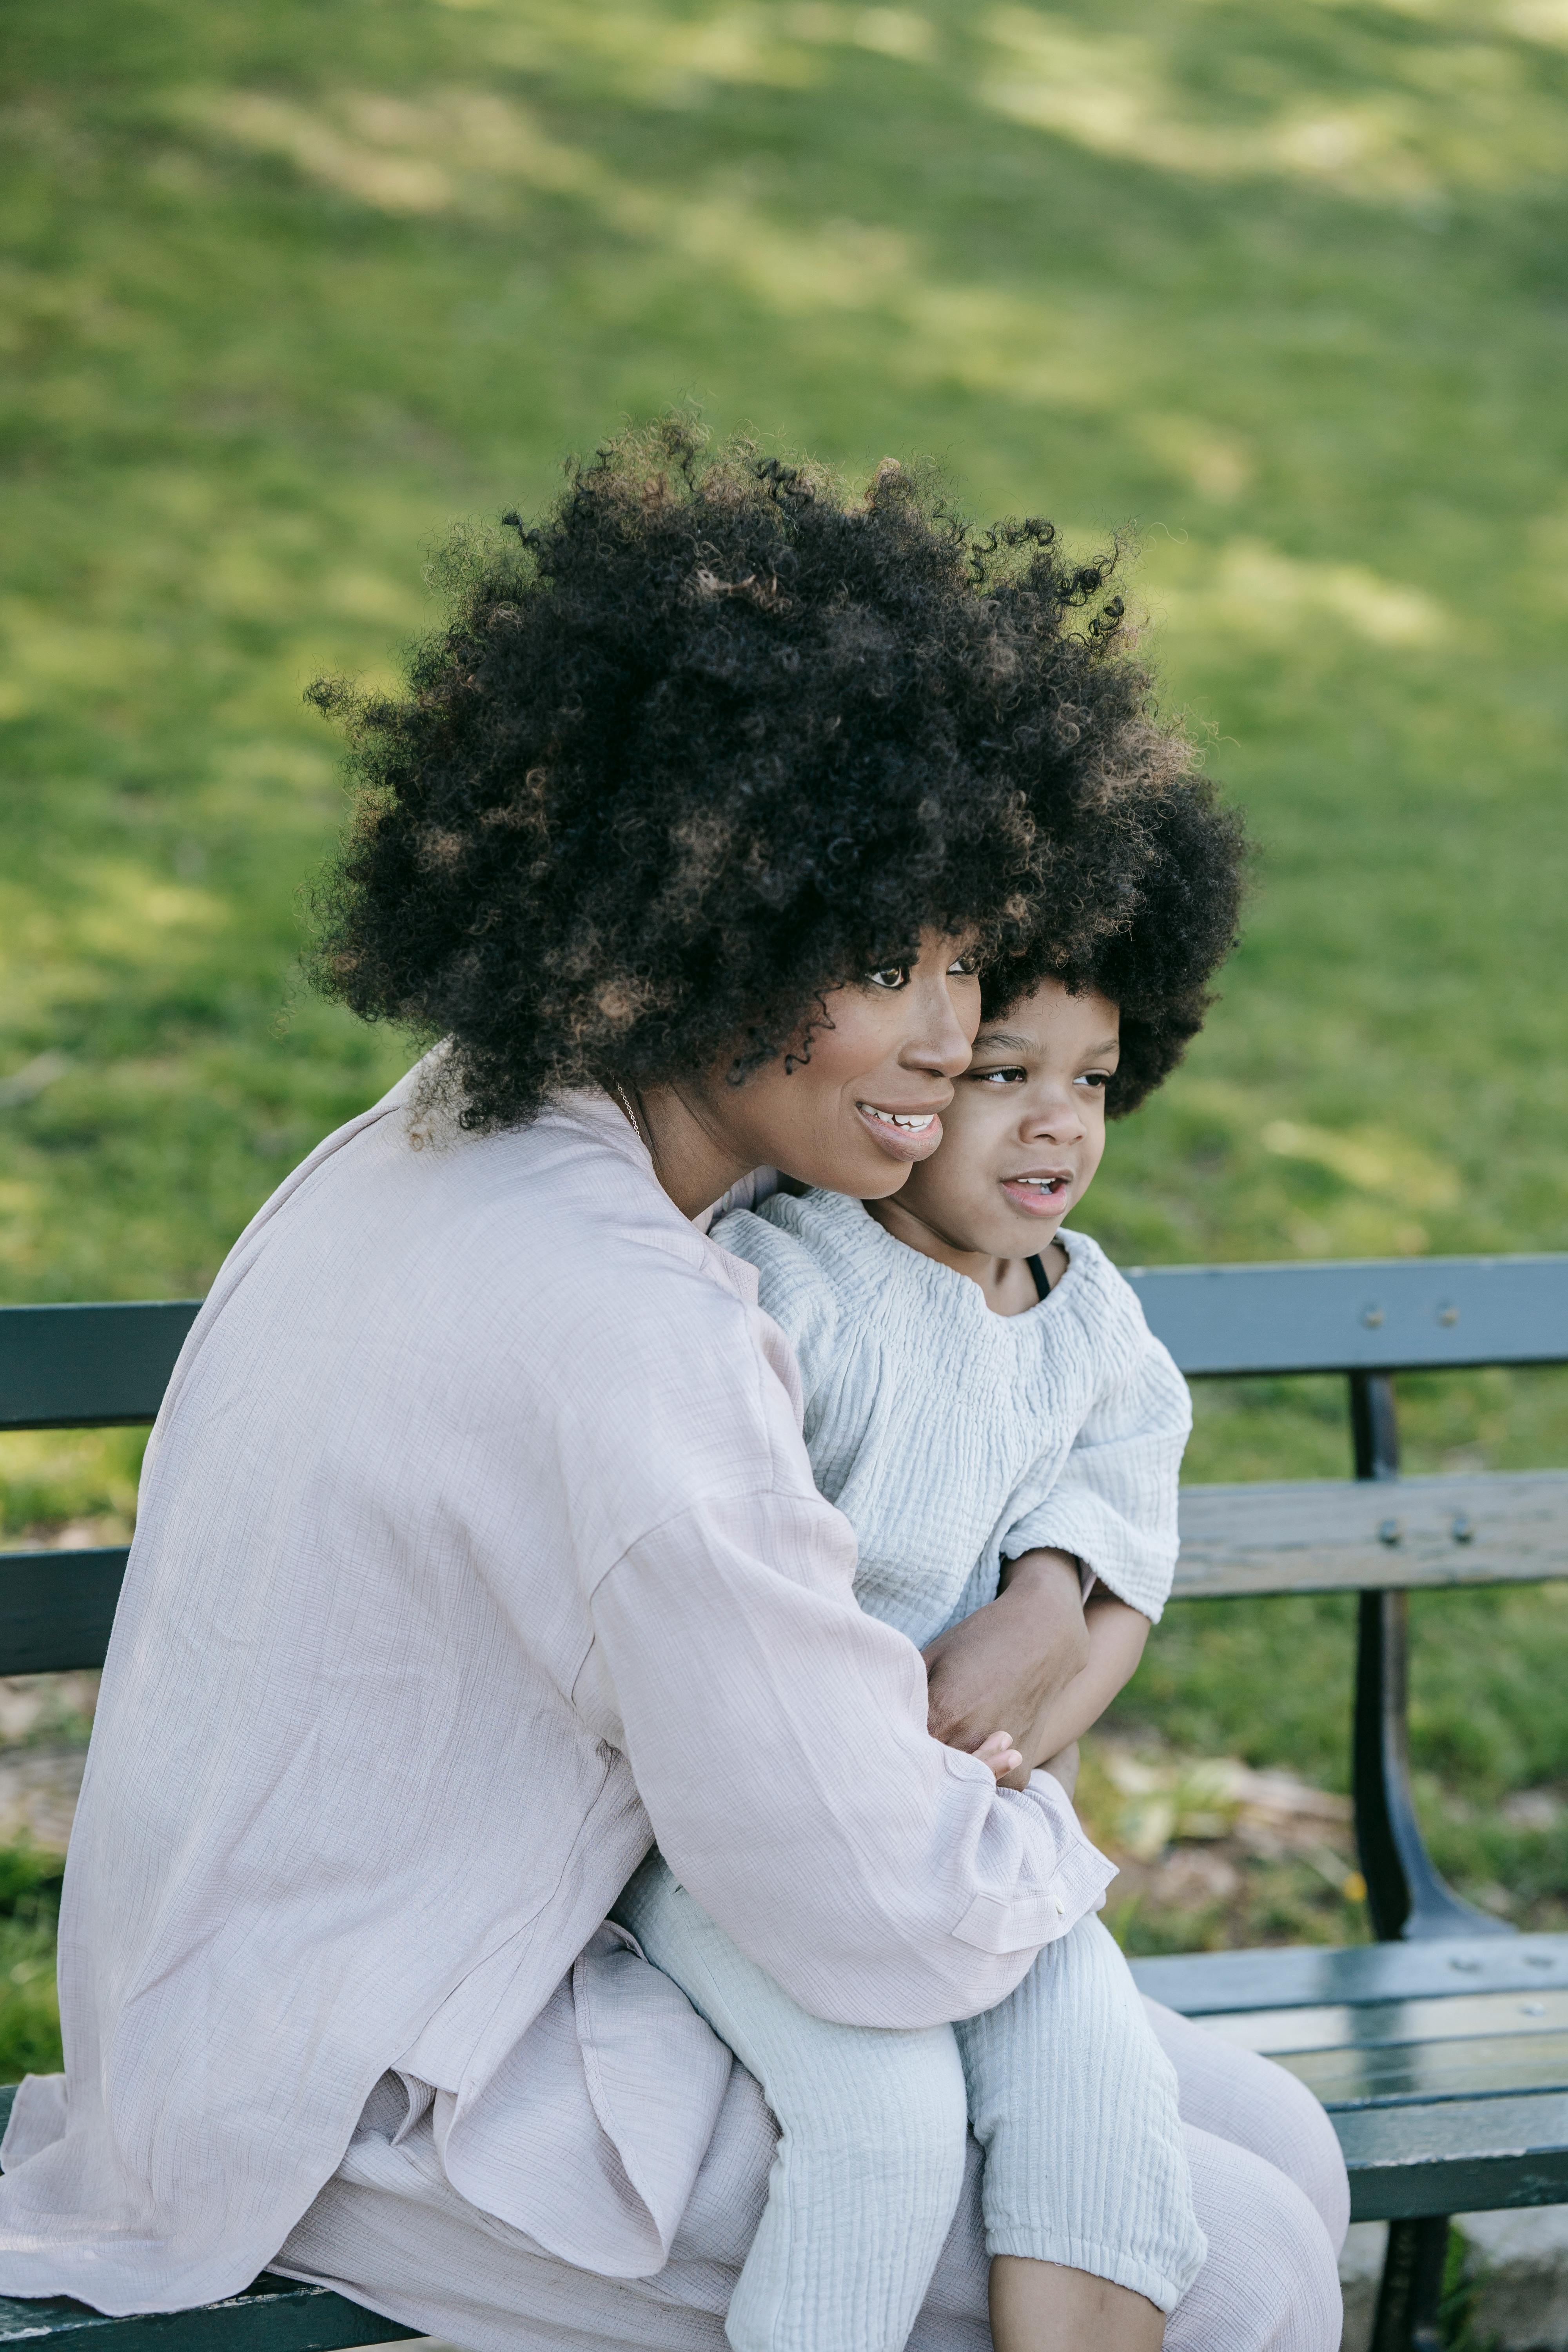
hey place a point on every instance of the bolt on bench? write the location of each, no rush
(1441, 2050)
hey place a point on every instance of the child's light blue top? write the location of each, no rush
(953, 1438)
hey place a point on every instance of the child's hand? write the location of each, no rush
(999, 1755)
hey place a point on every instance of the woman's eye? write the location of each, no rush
(964, 967)
(891, 975)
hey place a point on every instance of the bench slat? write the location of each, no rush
(1368, 1315)
(1390, 2025)
(88, 1367)
(274, 2315)
(1319, 1536)
(1332, 1535)
(100, 1365)
(57, 1608)
(1419, 2073)
(1430, 2148)
(1312, 1976)
(1456, 2156)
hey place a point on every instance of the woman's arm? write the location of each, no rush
(777, 1737)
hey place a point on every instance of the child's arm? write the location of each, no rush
(1113, 1638)
(1116, 1637)
(1113, 1502)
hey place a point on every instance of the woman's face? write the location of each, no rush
(866, 1104)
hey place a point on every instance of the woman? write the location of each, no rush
(478, 1546)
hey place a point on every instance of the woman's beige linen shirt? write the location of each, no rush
(478, 1546)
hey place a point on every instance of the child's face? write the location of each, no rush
(1026, 1128)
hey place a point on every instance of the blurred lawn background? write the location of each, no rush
(1279, 284)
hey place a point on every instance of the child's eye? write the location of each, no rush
(889, 975)
(1004, 1077)
(1099, 1080)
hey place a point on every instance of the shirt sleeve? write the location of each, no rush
(777, 1736)
(1114, 1504)
(792, 1289)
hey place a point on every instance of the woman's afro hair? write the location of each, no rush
(709, 741)
(1178, 928)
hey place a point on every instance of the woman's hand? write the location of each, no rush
(1007, 1662)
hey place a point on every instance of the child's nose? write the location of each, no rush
(1058, 1120)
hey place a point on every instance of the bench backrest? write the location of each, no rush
(107, 1365)
(81, 1366)
(1366, 1320)
(1359, 1315)
(77, 1368)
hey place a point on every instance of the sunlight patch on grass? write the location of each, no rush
(1453, 114)
(124, 914)
(844, 266)
(660, 57)
(399, 155)
(890, 32)
(1538, 20)
(47, 649)
(22, 1226)
(982, 337)
(50, 1477)
(1248, 585)
(1220, 463)
(1374, 1160)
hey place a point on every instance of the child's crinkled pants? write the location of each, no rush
(1073, 2101)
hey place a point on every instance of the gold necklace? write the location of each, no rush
(620, 1097)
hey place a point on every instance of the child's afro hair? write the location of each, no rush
(709, 741)
(1178, 927)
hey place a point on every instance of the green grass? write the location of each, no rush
(1278, 286)
(29, 2011)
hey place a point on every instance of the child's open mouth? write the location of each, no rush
(1042, 1196)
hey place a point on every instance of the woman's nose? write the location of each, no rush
(943, 1042)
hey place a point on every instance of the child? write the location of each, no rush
(979, 1387)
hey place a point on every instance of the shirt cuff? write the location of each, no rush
(1137, 1569)
(1082, 1872)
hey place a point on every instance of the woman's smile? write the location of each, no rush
(907, 1135)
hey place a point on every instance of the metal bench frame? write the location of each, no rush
(1380, 1536)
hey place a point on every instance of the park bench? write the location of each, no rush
(1440, 2051)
